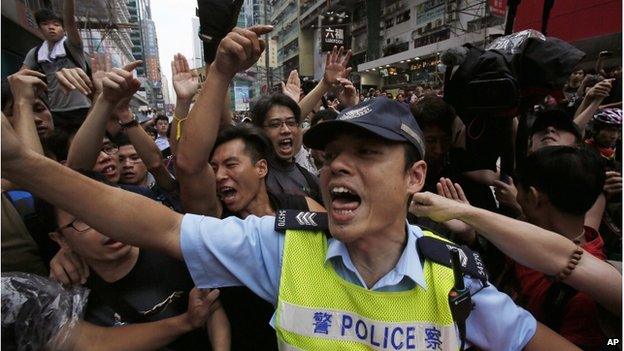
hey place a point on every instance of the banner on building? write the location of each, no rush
(332, 36)
(498, 7)
(429, 10)
(241, 98)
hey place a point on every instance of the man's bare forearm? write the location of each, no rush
(135, 337)
(525, 243)
(549, 253)
(24, 125)
(87, 143)
(123, 216)
(311, 99)
(202, 125)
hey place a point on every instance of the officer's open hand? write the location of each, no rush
(240, 49)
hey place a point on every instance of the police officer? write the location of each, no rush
(364, 285)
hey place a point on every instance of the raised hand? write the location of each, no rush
(240, 49)
(348, 96)
(74, 78)
(601, 90)
(336, 66)
(185, 80)
(120, 84)
(26, 84)
(292, 88)
(613, 184)
(98, 73)
(454, 191)
(200, 306)
(68, 268)
(506, 193)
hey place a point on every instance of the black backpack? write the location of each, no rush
(483, 85)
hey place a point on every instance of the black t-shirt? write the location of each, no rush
(156, 288)
(290, 178)
(249, 314)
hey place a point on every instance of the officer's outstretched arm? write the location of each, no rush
(546, 339)
(124, 216)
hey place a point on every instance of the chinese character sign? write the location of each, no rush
(331, 37)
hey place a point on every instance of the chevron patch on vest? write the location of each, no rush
(300, 220)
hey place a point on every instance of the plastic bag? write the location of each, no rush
(38, 313)
(514, 43)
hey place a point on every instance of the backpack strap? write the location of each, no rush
(439, 251)
(85, 65)
(300, 220)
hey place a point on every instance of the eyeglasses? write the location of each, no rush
(110, 149)
(77, 224)
(277, 123)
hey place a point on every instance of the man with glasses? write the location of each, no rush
(125, 287)
(279, 116)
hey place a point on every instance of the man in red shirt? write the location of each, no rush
(556, 187)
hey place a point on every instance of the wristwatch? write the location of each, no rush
(130, 124)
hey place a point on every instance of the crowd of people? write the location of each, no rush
(321, 220)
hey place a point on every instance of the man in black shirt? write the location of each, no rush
(279, 116)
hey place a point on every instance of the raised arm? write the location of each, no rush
(335, 67)
(146, 149)
(128, 217)
(238, 50)
(118, 85)
(591, 102)
(24, 85)
(69, 23)
(531, 246)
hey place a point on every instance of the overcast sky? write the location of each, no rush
(175, 32)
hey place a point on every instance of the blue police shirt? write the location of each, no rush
(235, 252)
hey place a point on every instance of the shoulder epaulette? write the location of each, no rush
(300, 220)
(439, 251)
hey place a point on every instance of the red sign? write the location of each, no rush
(498, 7)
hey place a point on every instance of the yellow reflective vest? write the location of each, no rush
(319, 310)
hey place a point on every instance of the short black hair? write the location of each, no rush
(121, 139)
(572, 177)
(433, 110)
(44, 14)
(323, 116)
(260, 109)
(159, 117)
(411, 155)
(257, 144)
